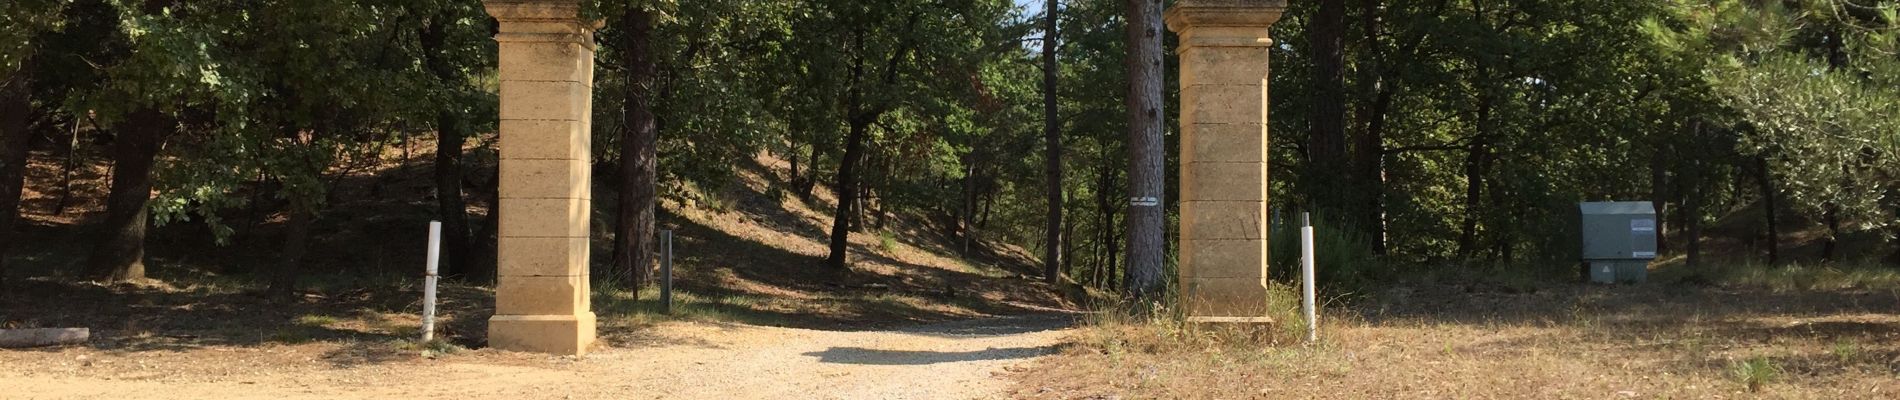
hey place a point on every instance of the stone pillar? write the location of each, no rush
(1224, 48)
(547, 75)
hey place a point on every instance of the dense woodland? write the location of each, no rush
(1423, 132)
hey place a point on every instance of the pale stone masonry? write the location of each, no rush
(1224, 49)
(547, 79)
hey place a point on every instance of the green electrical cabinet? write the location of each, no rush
(1619, 240)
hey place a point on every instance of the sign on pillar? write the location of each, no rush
(1224, 49)
(547, 75)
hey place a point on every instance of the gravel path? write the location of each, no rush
(959, 360)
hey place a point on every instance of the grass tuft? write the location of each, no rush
(887, 241)
(1845, 350)
(316, 320)
(1756, 372)
(290, 335)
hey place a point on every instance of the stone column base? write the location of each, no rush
(555, 334)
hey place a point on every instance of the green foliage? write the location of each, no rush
(1846, 351)
(1755, 372)
(886, 241)
(1342, 263)
(24, 19)
(1494, 117)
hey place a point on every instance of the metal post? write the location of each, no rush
(428, 282)
(666, 271)
(1307, 296)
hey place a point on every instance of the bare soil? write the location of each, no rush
(958, 360)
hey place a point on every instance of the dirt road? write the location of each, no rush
(960, 360)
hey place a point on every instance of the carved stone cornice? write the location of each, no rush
(1203, 23)
(546, 21)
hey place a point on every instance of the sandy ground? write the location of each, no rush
(958, 360)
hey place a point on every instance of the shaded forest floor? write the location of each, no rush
(746, 255)
(1801, 332)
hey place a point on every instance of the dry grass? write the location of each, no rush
(1740, 334)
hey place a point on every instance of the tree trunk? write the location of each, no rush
(1769, 206)
(1327, 181)
(1105, 207)
(1068, 247)
(967, 216)
(450, 206)
(1379, 91)
(1694, 197)
(1477, 163)
(1692, 214)
(283, 283)
(66, 171)
(847, 185)
(451, 129)
(1830, 245)
(633, 229)
(809, 184)
(792, 155)
(1052, 156)
(485, 261)
(1147, 152)
(15, 138)
(1659, 195)
(119, 253)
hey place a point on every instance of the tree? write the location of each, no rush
(165, 74)
(15, 137)
(120, 252)
(633, 227)
(453, 48)
(1147, 152)
(1052, 156)
(18, 46)
(877, 44)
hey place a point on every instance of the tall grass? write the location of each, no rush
(1163, 327)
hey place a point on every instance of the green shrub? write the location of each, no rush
(1345, 259)
(1756, 372)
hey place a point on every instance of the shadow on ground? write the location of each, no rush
(864, 356)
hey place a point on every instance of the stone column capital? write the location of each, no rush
(1224, 23)
(545, 21)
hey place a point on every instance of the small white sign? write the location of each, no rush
(1642, 225)
(1651, 254)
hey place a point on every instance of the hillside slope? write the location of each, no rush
(752, 255)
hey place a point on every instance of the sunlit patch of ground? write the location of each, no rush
(1804, 333)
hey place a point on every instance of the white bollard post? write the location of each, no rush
(428, 282)
(1307, 296)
